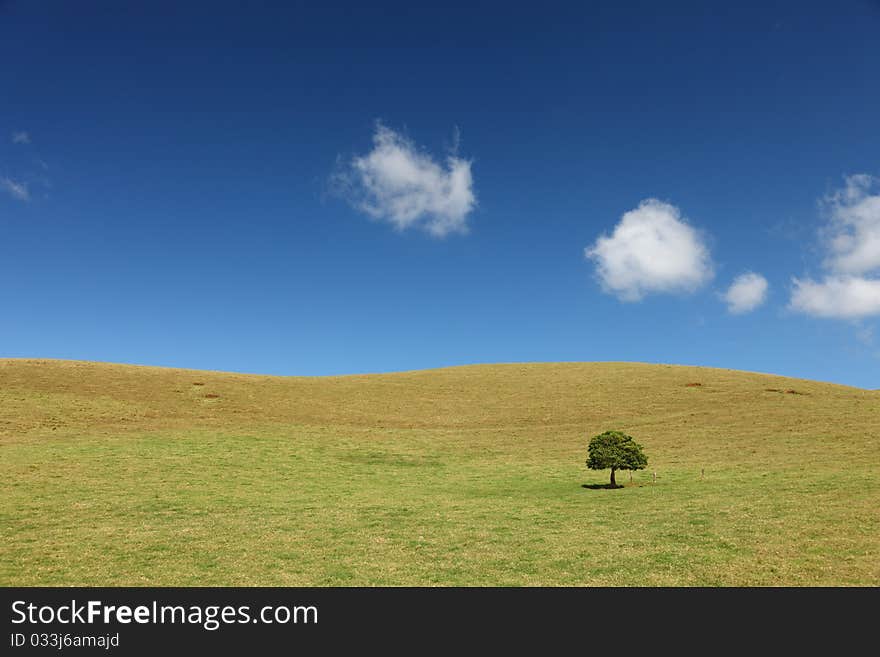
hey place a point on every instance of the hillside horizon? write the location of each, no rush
(36, 360)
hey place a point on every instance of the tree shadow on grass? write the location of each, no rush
(601, 486)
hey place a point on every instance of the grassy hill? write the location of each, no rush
(124, 475)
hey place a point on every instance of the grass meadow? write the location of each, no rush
(122, 475)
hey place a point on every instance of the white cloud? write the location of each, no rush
(853, 236)
(16, 190)
(747, 292)
(652, 249)
(407, 187)
(842, 297)
(851, 289)
(21, 137)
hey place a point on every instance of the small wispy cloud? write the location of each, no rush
(851, 238)
(746, 293)
(17, 190)
(21, 137)
(407, 187)
(652, 249)
(865, 335)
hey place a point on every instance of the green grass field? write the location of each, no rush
(123, 475)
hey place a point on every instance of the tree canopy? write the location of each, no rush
(615, 450)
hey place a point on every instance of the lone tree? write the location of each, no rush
(615, 450)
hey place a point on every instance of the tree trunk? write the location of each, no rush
(613, 483)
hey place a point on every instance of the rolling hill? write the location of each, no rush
(128, 475)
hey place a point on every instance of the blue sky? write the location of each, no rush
(287, 189)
